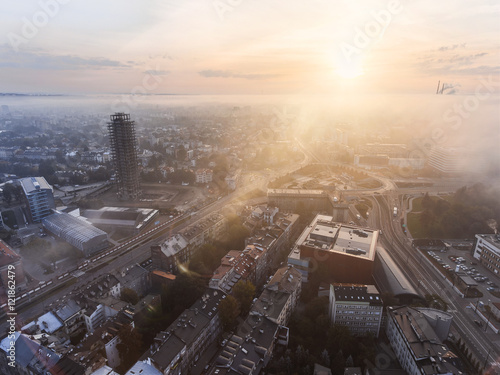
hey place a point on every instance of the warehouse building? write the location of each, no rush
(78, 233)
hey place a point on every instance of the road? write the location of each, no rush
(424, 277)
(427, 280)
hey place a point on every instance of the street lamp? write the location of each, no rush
(489, 316)
(486, 360)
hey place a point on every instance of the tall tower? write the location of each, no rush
(124, 150)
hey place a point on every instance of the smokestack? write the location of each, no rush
(437, 91)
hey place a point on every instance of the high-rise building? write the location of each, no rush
(123, 145)
(40, 197)
(444, 160)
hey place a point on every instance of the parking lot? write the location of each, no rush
(462, 261)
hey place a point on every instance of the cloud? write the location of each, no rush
(478, 71)
(157, 72)
(40, 60)
(228, 74)
(443, 61)
(451, 48)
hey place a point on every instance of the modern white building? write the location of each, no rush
(416, 336)
(445, 160)
(358, 307)
(487, 251)
(40, 197)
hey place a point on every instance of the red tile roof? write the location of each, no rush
(7, 255)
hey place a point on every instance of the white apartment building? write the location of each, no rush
(203, 176)
(487, 251)
(358, 307)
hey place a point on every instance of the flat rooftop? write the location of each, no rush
(297, 192)
(33, 184)
(327, 235)
(357, 293)
(492, 239)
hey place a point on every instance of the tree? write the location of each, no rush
(237, 235)
(427, 202)
(182, 293)
(244, 292)
(8, 190)
(60, 158)
(316, 307)
(338, 363)
(181, 153)
(18, 192)
(46, 168)
(325, 358)
(129, 347)
(349, 362)
(5, 234)
(206, 259)
(129, 295)
(228, 311)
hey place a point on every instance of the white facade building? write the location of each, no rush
(358, 307)
(487, 251)
(40, 197)
(445, 160)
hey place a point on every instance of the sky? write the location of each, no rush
(269, 47)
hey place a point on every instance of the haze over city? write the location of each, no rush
(249, 47)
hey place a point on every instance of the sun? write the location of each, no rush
(349, 69)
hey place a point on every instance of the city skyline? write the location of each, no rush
(243, 47)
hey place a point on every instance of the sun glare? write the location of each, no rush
(349, 70)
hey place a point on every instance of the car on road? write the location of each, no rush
(491, 289)
(480, 324)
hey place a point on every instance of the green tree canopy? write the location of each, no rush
(129, 347)
(244, 292)
(228, 311)
(129, 295)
